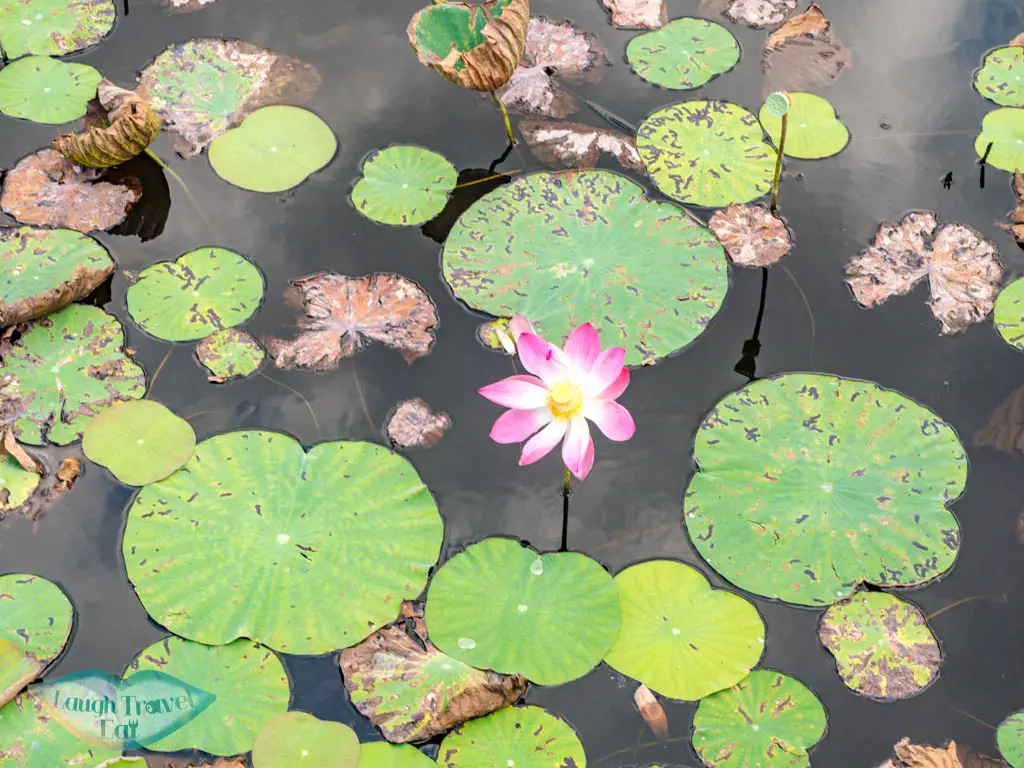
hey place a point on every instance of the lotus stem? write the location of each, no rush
(152, 156)
(565, 512)
(778, 163)
(504, 115)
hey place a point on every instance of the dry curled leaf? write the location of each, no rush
(344, 314)
(9, 447)
(414, 424)
(1016, 216)
(637, 14)
(133, 127)
(651, 711)
(167, 761)
(759, 13)
(47, 189)
(803, 54)
(962, 268)
(574, 145)
(752, 236)
(1005, 429)
(953, 755)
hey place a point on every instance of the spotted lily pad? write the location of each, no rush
(685, 53)
(524, 737)
(768, 720)
(1001, 76)
(404, 185)
(46, 90)
(380, 754)
(680, 637)
(1004, 130)
(810, 485)
(1010, 738)
(249, 682)
(882, 645)
(71, 366)
(1009, 314)
(230, 353)
(299, 740)
(274, 149)
(708, 153)
(31, 738)
(16, 485)
(502, 606)
(814, 129)
(197, 294)
(577, 246)
(298, 528)
(54, 27)
(35, 624)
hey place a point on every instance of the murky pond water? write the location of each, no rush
(911, 73)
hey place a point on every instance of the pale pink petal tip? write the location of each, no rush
(576, 447)
(583, 346)
(515, 426)
(540, 445)
(540, 357)
(520, 325)
(522, 392)
(606, 370)
(612, 419)
(616, 388)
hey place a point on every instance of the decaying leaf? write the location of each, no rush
(651, 711)
(953, 755)
(759, 13)
(344, 314)
(574, 145)
(133, 127)
(637, 14)
(414, 424)
(752, 236)
(450, 38)
(1016, 216)
(412, 691)
(9, 447)
(40, 498)
(803, 54)
(12, 401)
(962, 268)
(167, 761)
(47, 189)
(1005, 428)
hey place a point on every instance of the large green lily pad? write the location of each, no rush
(54, 27)
(680, 637)
(31, 738)
(810, 485)
(249, 681)
(768, 720)
(523, 737)
(16, 484)
(230, 353)
(1004, 130)
(1010, 738)
(380, 754)
(348, 526)
(1009, 314)
(299, 740)
(199, 293)
(43, 270)
(708, 153)
(502, 606)
(882, 645)
(685, 53)
(71, 366)
(404, 185)
(47, 90)
(35, 624)
(274, 149)
(814, 130)
(588, 246)
(1001, 76)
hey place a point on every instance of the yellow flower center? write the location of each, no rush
(565, 399)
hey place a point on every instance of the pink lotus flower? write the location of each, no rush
(568, 387)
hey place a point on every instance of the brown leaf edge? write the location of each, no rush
(909, 755)
(651, 711)
(51, 486)
(1016, 216)
(133, 127)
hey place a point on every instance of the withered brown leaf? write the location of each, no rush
(953, 755)
(803, 54)
(1016, 216)
(133, 127)
(414, 424)
(752, 236)
(651, 711)
(637, 14)
(574, 145)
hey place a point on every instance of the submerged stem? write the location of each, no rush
(565, 512)
(153, 156)
(504, 115)
(778, 162)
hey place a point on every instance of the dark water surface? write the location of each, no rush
(912, 68)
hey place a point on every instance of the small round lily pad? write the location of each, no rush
(1004, 130)
(1010, 738)
(523, 737)
(199, 293)
(140, 441)
(404, 185)
(54, 27)
(274, 149)
(882, 645)
(47, 90)
(380, 754)
(768, 720)
(685, 53)
(230, 353)
(814, 130)
(501, 605)
(1009, 314)
(16, 484)
(1001, 76)
(299, 740)
(32, 738)
(680, 637)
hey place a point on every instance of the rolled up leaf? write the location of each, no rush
(133, 127)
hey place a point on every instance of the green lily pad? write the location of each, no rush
(140, 441)
(35, 618)
(680, 637)
(524, 737)
(230, 353)
(708, 153)
(249, 681)
(1010, 738)
(47, 90)
(1001, 76)
(54, 27)
(404, 185)
(347, 525)
(71, 366)
(685, 53)
(1009, 314)
(577, 246)
(380, 754)
(43, 270)
(299, 740)
(199, 293)
(814, 130)
(1004, 130)
(16, 484)
(882, 645)
(768, 720)
(274, 149)
(502, 606)
(810, 485)
(31, 738)
(124, 762)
